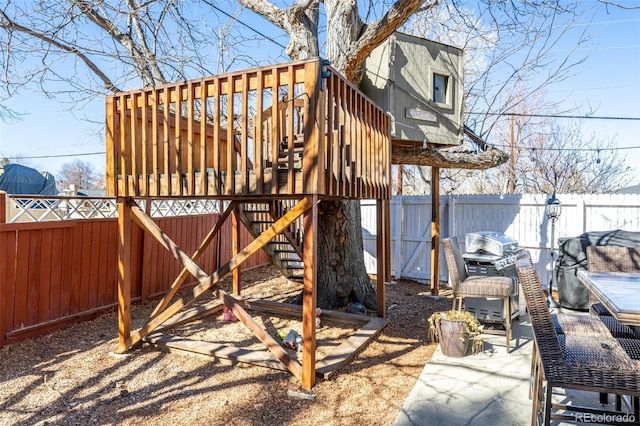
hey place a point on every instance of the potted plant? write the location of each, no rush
(454, 330)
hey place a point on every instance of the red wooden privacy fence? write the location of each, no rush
(60, 272)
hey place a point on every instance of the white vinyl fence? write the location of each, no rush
(518, 216)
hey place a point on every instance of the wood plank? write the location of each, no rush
(122, 151)
(296, 311)
(8, 254)
(33, 276)
(290, 133)
(112, 164)
(166, 144)
(85, 267)
(275, 128)
(192, 314)
(55, 276)
(112, 264)
(382, 251)
(178, 151)
(215, 350)
(274, 347)
(230, 167)
(309, 295)
(72, 272)
(134, 146)
(190, 139)
(202, 144)
(26, 226)
(94, 256)
(258, 141)
(102, 268)
(235, 244)
(244, 134)
(156, 148)
(217, 161)
(341, 355)
(124, 274)
(45, 294)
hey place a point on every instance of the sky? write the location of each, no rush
(607, 84)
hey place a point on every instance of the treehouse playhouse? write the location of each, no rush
(271, 143)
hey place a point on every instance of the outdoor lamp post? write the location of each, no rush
(552, 209)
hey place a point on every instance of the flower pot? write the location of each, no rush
(454, 338)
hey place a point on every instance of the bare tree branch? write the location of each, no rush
(374, 34)
(616, 4)
(10, 25)
(148, 71)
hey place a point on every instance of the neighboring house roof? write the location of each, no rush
(92, 192)
(84, 192)
(633, 189)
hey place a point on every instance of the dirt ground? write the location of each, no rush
(72, 377)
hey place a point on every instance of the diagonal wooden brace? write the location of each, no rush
(274, 347)
(206, 282)
(175, 286)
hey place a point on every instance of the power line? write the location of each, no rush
(245, 25)
(588, 117)
(84, 154)
(531, 148)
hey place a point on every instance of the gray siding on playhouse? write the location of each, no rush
(399, 77)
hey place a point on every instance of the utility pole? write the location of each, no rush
(512, 160)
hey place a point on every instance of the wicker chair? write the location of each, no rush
(477, 285)
(595, 363)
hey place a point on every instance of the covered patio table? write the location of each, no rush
(619, 292)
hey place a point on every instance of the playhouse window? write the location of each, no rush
(440, 83)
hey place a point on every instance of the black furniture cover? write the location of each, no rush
(573, 258)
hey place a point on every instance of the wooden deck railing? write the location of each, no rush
(296, 128)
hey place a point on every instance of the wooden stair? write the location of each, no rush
(284, 250)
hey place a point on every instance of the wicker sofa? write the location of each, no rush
(578, 357)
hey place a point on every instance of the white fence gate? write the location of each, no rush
(518, 216)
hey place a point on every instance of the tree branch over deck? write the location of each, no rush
(482, 160)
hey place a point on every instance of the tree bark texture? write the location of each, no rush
(341, 268)
(490, 157)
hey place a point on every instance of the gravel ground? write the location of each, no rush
(72, 377)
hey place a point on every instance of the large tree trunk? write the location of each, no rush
(342, 274)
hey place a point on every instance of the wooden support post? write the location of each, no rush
(382, 253)
(3, 207)
(7, 269)
(435, 230)
(309, 295)
(235, 241)
(387, 235)
(124, 273)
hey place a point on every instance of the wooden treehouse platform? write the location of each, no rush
(271, 143)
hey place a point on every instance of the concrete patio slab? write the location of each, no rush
(490, 388)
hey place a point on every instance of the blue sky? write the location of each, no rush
(607, 83)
